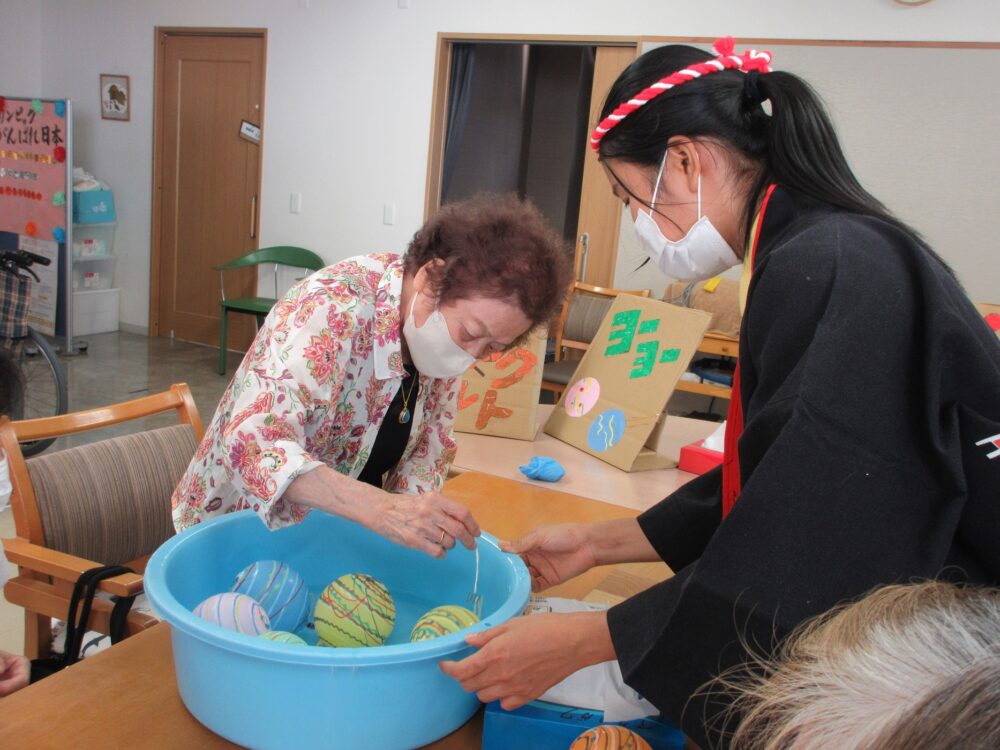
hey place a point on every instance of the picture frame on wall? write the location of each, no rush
(116, 97)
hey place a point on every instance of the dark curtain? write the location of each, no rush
(463, 58)
(581, 141)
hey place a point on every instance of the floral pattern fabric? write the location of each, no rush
(313, 390)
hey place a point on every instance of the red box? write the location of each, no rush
(697, 459)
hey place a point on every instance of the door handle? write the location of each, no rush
(253, 217)
(584, 252)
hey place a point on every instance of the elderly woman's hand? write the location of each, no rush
(429, 522)
(15, 673)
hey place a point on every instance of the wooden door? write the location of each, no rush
(207, 180)
(600, 212)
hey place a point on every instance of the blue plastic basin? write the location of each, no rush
(263, 694)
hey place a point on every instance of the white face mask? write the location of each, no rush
(433, 351)
(699, 254)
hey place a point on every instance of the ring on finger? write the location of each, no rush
(441, 540)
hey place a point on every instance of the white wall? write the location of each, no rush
(349, 89)
(20, 30)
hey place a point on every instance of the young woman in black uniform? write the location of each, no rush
(863, 440)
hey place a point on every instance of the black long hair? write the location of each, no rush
(795, 145)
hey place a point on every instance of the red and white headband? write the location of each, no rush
(727, 60)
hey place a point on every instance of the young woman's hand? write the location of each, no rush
(554, 553)
(15, 673)
(429, 522)
(521, 659)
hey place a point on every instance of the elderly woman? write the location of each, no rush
(347, 397)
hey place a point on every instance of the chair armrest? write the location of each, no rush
(66, 567)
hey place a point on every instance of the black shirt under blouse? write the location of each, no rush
(392, 434)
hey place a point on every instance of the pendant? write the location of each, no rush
(404, 416)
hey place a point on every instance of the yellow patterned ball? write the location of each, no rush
(609, 737)
(355, 610)
(441, 621)
(283, 636)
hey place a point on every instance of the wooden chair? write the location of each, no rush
(581, 316)
(104, 503)
(297, 257)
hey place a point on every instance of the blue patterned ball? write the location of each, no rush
(279, 590)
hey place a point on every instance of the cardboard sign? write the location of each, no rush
(992, 315)
(499, 394)
(614, 406)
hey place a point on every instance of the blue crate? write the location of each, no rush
(94, 207)
(549, 726)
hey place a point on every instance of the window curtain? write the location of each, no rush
(463, 57)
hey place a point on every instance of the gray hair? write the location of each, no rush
(907, 666)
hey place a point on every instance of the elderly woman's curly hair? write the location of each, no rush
(494, 246)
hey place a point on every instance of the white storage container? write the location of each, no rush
(93, 273)
(95, 311)
(93, 239)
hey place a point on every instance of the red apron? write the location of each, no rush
(731, 479)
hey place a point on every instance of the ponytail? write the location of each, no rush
(804, 154)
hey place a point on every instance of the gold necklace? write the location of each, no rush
(404, 415)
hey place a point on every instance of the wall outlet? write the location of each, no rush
(389, 213)
(295, 203)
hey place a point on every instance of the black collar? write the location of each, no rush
(784, 209)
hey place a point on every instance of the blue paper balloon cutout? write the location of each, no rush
(60, 108)
(59, 234)
(606, 430)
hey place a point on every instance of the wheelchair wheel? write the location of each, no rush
(44, 387)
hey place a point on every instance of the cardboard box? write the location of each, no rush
(499, 394)
(697, 459)
(549, 726)
(615, 408)
(94, 207)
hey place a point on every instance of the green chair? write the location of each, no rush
(297, 257)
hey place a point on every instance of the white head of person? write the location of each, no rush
(691, 141)
(478, 277)
(907, 666)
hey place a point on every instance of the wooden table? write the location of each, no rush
(586, 475)
(127, 696)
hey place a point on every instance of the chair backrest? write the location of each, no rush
(284, 255)
(107, 501)
(584, 309)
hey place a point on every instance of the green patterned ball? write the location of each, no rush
(441, 621)
(283, 636)
(355, 610)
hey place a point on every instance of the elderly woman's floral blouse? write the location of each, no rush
(313, 389)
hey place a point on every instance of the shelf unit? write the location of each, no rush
(96, 300)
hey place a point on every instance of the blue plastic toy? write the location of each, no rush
(543, 468)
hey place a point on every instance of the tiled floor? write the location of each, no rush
(118, 367)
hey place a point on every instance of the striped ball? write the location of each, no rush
(441, 621)
(278, 589)
(355, 610)
(282, 636)
(609, 737)
(237, 612)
